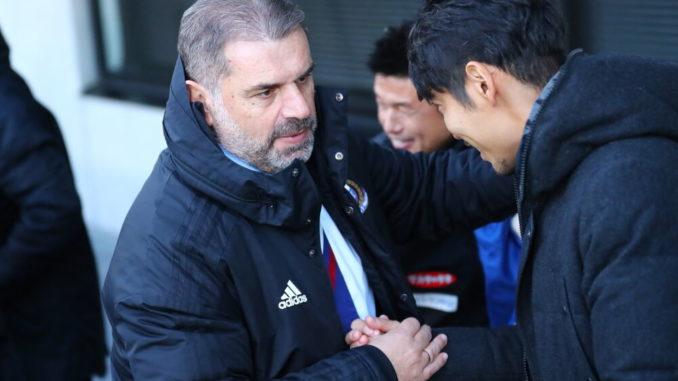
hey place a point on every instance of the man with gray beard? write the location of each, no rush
(259, 236)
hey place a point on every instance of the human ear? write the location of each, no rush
(197, 93)
(480, 82)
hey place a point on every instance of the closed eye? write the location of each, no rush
(303, 78)
(266, 93)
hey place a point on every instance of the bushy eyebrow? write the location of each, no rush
(267, 86)
(308, 71)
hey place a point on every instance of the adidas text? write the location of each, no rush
(292, 302)
(291, 297)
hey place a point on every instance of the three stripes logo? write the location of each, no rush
(291, 297)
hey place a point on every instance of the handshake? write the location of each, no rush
(407, 345)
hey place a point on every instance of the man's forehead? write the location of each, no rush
(269, 59)
(394, 88)
(392, 79)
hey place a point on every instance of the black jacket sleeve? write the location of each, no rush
(427, 195)
(42, 215)
(482, 354)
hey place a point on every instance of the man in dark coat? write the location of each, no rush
(593, 143)
(50, 316)
(259, 235)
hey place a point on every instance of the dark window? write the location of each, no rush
(137, 41)
(137, 47)
(342, 34)
(641, 27)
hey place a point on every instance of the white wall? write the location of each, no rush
(113, 145)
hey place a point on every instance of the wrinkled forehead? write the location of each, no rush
(268, 61)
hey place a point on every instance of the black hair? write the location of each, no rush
(389, 56)
(524, 38)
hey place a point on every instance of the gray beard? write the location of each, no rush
(262, 154)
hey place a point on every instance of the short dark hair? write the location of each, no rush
(524, 38)
(389, 56)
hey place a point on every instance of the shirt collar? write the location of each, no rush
(239, 161)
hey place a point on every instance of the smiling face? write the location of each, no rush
(494, 121)
(263, 110)
(481, 129)
(410, 124)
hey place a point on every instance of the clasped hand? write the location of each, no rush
(407, 345)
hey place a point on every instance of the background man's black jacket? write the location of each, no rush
(456, 254)
(597, 297)
(50, 316)
(208, 248)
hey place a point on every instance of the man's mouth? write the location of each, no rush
(295, 138)
(402, 143)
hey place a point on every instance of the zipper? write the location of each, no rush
(520, 183)
(547, 93)
(525, 367)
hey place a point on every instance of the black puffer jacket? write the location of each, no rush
(50, 317)
(597, 177)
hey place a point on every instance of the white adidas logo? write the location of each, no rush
(291, 297)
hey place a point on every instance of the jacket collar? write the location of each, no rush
(526, 141)
(287, 198)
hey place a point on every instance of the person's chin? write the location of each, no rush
(295, 148)
(403, 144)
(483, 156)
(503, 167)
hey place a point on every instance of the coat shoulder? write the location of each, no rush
(173, 247)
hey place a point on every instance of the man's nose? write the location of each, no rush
(391, 122)
(295, 104)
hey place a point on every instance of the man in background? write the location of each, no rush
(50, 316)
(450, 285)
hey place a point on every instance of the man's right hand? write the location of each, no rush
(409, 347)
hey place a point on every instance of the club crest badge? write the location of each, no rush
(358, 193)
